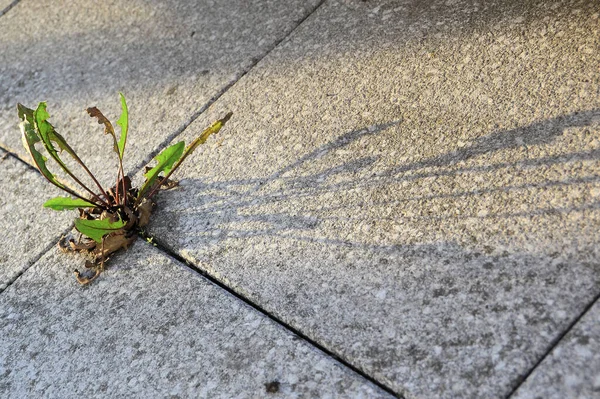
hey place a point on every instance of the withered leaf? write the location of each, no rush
(111, 219)
(112, 243)
(102, 120)
(83, 280)
(82, 246)
(145, 210)
(108, 127)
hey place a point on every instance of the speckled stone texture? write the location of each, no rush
(169, 58)
(573, 368)
(412, 184)
(149, 327)
(27, 229)
(5, 6)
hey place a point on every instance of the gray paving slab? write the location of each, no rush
(168, 58)
(28, 228)
(414, 185)
(5, 6)
(572, 370)
(149, 327)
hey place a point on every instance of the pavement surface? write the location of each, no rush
(405, 202)
(6, 5)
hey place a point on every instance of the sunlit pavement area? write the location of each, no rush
(405, 203)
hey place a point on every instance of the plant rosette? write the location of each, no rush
(109, 220)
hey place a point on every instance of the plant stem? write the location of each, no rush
(87, 189)
(78, 160)
(83, 165)
(164, 179)
(102, 204)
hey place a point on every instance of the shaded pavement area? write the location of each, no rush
(405, 203)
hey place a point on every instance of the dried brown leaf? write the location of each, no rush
(82, 246)
(102, 120)
(85, 280)
(112, 243)
(145, 210)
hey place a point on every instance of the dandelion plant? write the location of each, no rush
(109, 219)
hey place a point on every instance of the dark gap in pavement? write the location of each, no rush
(53, 242)
(216, 97)
(180, 130)
(9, 153)
(213, 280)
(521, 380)
(8, 7)
(277, 320)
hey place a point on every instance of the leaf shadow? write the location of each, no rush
(284, 257)
(237, 202)
(538, 133)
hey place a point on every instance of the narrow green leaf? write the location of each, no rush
(37, 128)
(212, 129)
(47, 133)
(63, 145)
(29, 141)
(62, 203)
(30, 137)
(165, 161)
(123, 122)
(25, 114)
(28, 114)
(96, 229)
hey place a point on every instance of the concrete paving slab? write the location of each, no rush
(413, 185)
(572, 370)
(168, 58)
(149, 327)
(28, 228)
(6, 5)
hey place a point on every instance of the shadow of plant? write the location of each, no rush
(535, 134)
(337, 254)
(225, 204)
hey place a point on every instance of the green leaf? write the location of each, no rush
(28, 114)
(30, 138)
(123, 122)
(212, 129)
(165, 161)
(47, 133)
(62, 203)
(97, 229)
(36, 128)
(25, 114)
